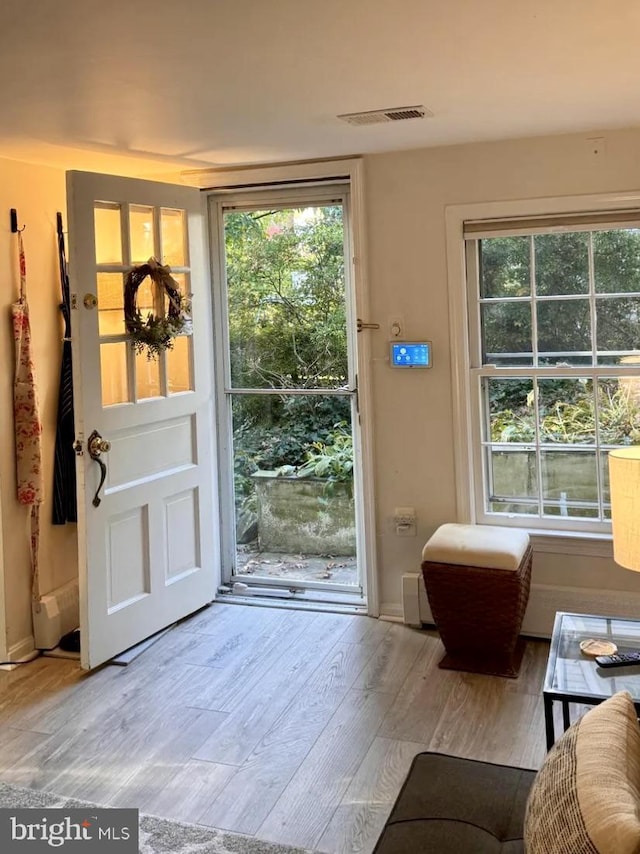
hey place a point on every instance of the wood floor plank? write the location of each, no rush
(40, 687)
(530, 749)
(169, 751)
(393, 658)
(321, 711)
(116, 723)
(501, 717)
(254, 710)
(119, 757)
(190, 791)
(236, 640)
(420, 702)
(249, 667)
(365, 630)
(358, 821)
(253, 792)
(532, 670)
(316, 789)
(15, 743)
(47, 704)
(211, 619)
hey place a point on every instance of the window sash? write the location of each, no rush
(479, 410)
(475, 302)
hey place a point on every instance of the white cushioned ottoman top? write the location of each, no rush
(477, 545)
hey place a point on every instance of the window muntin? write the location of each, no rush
(555, 349)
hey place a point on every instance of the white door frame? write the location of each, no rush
(298, 175)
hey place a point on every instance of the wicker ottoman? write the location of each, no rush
(477, 579)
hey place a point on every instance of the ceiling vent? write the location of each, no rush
(393, 114)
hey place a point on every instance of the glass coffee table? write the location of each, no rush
(573, 677)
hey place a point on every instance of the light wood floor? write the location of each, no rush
(293, 726)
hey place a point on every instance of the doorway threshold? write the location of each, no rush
(307, 600)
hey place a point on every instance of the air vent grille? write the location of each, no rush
(392, 114)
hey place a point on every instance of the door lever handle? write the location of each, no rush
(96, 446)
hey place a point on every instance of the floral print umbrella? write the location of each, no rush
(28, 427)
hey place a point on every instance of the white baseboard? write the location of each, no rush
(392, 611)
(544, 601)
(24, 650)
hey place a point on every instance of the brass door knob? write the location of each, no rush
(97, 445)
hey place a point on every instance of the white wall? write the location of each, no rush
(407, 193)
(37, 193)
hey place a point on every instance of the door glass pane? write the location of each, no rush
(141, 234)
(179, 377)
(110, 303)
(147, 377)
(172, 230)
(286, 297)
(181, 280)
(108, 234)
(146, 296)
(293, 475)
(113, 373)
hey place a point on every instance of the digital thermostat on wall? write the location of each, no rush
(410, 354)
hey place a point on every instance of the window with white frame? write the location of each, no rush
(554, 361)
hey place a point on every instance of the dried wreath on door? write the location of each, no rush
(154, 331)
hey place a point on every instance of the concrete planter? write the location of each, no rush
(303, 516)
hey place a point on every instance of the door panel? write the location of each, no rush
(148, 551)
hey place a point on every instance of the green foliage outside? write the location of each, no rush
(560, 265)
(586, 313)
(285, 278)
(287, 330)
(331, 460)
(286, 309)
(573, 422)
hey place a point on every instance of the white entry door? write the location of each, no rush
(148, 540)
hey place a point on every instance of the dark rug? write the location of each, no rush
(157, 835)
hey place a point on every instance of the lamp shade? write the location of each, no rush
(624, 479)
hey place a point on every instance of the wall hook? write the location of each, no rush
(13, 213)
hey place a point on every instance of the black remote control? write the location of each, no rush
(620, 659)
